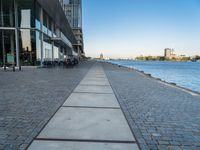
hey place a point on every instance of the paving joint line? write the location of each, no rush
(85, 140)
(93, 93)
(92, 107)
(92, 85)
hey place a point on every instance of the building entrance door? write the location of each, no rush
(7, 47)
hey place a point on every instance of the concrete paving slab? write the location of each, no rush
(92, 100)
(95, 76)
(95, 79)
(93, 82)
(62, 145)
(88, 124)
(93, 89)
(96, 72)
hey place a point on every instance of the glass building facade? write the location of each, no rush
(73, 11)
(33, 33)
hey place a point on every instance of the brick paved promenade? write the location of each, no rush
(161, 116)
(29, 98)
(90, 119)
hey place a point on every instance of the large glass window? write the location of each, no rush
(75, 15)
(61, 53)
(38, 47)
(7, 13)
(47, 48)
(54, 30)
(26, 16)
(45, 22)
(50, 27)
(37, 16)
(28, 47)
(56, 52)
(1, 48)
(7, 45)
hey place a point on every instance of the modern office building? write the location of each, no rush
(34, 31)
(73, 11)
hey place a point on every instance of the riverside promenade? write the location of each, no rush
(90, 119)
(95, 106)
(28, 99)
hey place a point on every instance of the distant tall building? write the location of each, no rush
(73, 11)
(101, 56)
(169, 53)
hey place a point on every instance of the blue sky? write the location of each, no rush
(128, 28)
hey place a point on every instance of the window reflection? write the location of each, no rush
(37, 24)
(25, 18)
(26, 40)
(28, 47)
(45, 20)
(31, 30)
(7, 13)
(47, 49)
(38, 46)
(26, 13)
(7, 44)
(1, 48)
(56, 53)
(37, 17)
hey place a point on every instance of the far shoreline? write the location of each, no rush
(150, 60)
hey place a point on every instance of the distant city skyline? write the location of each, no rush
(141, 27)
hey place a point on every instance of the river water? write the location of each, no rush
(184, 74)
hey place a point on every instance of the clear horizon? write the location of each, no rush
(141, 27)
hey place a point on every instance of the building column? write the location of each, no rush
(4, 53)
(63, 54)
(2, 34)
(12, 39)
(52, 51)
(59, 50)
(17, 36)
(42, 37)
(52, 30)
(12, 45)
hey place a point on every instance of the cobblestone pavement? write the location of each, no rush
(29, 98)
(161, 116)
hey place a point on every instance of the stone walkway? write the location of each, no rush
(29, 98)
(90, 118)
